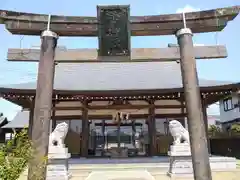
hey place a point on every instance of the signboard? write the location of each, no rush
(113, 31)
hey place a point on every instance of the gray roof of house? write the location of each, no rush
(19, 121)
(117, 76)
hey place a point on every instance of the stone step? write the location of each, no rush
(86, 172)
(117, 166)
(82, 170)
(133, 174)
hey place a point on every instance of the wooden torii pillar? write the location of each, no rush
(43, 105)
(196, 125)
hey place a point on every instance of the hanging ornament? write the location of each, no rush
(121, 117)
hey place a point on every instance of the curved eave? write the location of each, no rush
(227, 87)
(202, 21)
(34, 17)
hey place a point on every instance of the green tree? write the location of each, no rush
(235, 128)
(15, 155)
(214, 129)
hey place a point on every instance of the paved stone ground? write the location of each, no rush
(234, 175)
(216, 176)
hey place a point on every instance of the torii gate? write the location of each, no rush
(114, 46)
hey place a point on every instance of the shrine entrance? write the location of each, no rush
(125, 139)
(114, 27)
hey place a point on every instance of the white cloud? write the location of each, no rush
(187, 8)
(199, 45)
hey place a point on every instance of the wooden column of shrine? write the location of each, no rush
(119, 133)
(205, 118)
(54, 121)
(196, 127)
(133, 133)
(103, 135)
(85, 130)
(31, 113)
(152, 129)
(183, 118)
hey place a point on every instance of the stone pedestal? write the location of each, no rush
(181, 161)
(180, 150)
(57, 168)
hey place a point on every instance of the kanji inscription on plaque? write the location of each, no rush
(113, 31)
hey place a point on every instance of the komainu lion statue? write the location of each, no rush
(57, 137)
(178, 132)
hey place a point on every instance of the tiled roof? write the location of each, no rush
(117, 76)
(19, 121)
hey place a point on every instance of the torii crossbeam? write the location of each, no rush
(137, 54)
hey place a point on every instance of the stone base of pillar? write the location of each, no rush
(57, 168)
(180, 156)
(181, 161)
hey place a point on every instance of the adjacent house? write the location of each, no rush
(230, 110)
(3, 121)
(19, 122)
(214, 120)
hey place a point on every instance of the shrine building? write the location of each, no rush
(145, 96)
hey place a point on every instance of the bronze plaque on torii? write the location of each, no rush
(114, 34)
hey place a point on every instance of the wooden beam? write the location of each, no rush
(21, 102)
(34, 24)
(116, 107)
(85, 30)
(137, 55)
(109, 117)
(211, 99)
(6, 15)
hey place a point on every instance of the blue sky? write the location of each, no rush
(221, 69)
